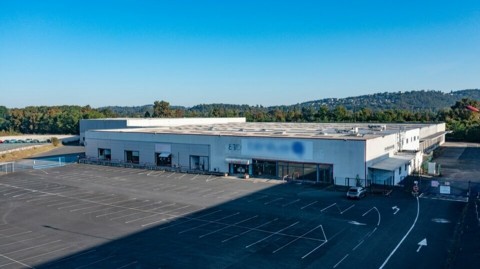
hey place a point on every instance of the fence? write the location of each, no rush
(443, 188)
(38, 163)
(384, 187)
(146, 166)
(8, 167)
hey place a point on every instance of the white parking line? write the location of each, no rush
(341, 213)
(378, 212)
(253, 229)
(95, 262)
(33, 195)
(296, 239)
(273, 201)
(7, 229)
(88, 207)
(359, 244)
(258, 198)
(321, 245)
(12, 235)
(127, 265)
(37, 246)
(77, 204)
(104, 200)
(15, 261)
(406, 235)
(214, 193)
(334, 204)
(62, 203)
(128, 215)
(221, 229)
(291, 203)
(47, 253)
(41, 197)
(275, 233)
(192, 219)
(73, 256)
(208, 222)
(312, 203)
(164, 219)
(111, 213)
(113, 205)
(21, 241)
(19, 195)
(23, 194)
(210, 178)
(341, 261)
(180, 188)
(135, 220)
(14, 191)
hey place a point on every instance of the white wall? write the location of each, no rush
(432, 129)
(346, 156)
(411, 140)
(381, 147)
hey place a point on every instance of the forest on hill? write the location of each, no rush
(416, 106)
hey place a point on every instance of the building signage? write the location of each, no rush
(444, 189)
(234, 147)
(389, 148)
(277, 149)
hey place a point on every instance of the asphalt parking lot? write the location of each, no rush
(84, 216)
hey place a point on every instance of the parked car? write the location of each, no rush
(356, 192)
(1, 141)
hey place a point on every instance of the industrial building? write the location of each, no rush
(128, 123)
(315, 152)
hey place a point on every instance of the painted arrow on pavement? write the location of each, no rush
(396, 210)
(421, 244)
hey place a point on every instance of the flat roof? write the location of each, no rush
(392, 163)
(351, 131)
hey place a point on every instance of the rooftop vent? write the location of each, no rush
(377, 127)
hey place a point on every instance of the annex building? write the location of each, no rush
(315, 152)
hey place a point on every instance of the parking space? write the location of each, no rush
(84, 216)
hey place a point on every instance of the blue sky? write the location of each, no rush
(240, 52)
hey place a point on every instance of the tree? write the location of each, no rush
(147, 115)
(161, 109)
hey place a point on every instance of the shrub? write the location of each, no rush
(55, 141)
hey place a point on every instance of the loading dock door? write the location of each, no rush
(199, 163)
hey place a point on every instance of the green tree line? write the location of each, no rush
(47, 119)
(464, 123)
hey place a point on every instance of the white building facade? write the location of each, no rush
(314, 152)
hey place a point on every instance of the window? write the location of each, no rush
(163, 159)
(400, 170)
(264, 168)
(132, 156)
(104, 154)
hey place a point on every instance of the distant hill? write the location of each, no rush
(413, 100)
